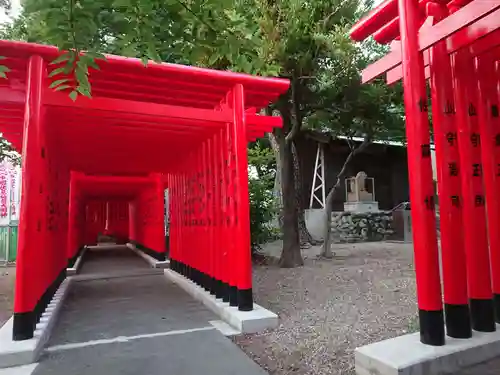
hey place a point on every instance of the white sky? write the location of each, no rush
(16, 5)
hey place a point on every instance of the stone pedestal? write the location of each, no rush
(360, 207)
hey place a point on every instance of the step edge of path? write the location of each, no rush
(257, 320)
(17, 353)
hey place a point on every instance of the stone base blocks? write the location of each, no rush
(16, 353)
(257, 320)
(361, 227)
(406, 355)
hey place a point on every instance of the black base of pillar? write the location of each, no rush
(431, 327)
(496, 304)
(225, 292)
(233, 296)
(245, 299)
(47, 296)
(458, 324)
(206, 281)
(214, 285)
(196, 276)
(24, 326)
(482, 315)
(219, 289)
(24, 323)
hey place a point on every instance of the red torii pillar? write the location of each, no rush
(210, 232)
(26, 268)
(448, 165)
(421, 182)
(41, 258)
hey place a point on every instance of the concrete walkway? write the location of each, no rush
(136, 324)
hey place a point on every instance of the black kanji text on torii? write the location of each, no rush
(453, 168)
(449, 108)
(494, 110)
(479, 200)
(472, 110)
(451, 137)
(429, 202)
(475, 139)
(476, 170)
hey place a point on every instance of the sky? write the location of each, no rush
(15, 9)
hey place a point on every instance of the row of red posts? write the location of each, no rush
(209, 214)
(465, 94)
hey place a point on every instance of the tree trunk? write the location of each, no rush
(326, 251)
(291, 255)
(304, 235)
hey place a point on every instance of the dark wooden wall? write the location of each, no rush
(386, 164)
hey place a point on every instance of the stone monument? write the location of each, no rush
(358, 197)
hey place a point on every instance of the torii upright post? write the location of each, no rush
(421, 182)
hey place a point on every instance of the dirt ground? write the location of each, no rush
(7, 277)
(329, 307)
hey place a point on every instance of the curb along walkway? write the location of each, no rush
(138, 323)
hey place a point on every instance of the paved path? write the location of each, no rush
(137, 324)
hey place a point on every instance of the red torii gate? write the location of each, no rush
(456, 45)
(145, 128)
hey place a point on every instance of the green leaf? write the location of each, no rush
(2, 57)
(62, 87)
(64, 57)
(4, 69)
(3, 75)
(73, 95)
(213, 59)
(57, 71)
(84, 91)
(90, 61)
(95, 55)
(144, 60)
(58, 82)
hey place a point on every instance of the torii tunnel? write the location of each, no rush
(452, 47)
(101, 166)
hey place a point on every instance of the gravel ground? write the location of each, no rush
(329, 307)
(7, 278)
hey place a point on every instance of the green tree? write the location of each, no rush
(262, 171)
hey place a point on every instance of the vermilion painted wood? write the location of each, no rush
(421, 182)
(475, 235)
(375, 20)
(449, 169)
(26, 294)
(489, 126)
(460, 20)
(486, 31)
